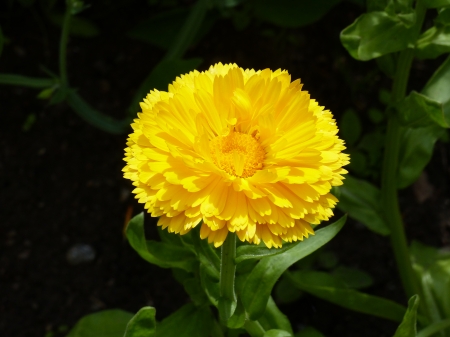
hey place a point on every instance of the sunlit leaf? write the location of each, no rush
(142, 324)
(375, 34)
(328, 288)
(407, 328)
(433, 43)
(261, 280)
(292, 13)
(107, 323)
(361, 200)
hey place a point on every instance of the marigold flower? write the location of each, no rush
(243, 151)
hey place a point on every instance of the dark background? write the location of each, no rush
(61, 181)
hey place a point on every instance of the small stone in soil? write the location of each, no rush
(80, 253)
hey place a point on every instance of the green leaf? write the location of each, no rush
(433, 43)
(361, 200)
(423, 255)
(309, 332)
(94, 117)
(261, 280)
(408, 326)
(386, 63)
(292, 13)
(187, 321)
(353, 278)
(375, 34)
(25, 81)
(162, 29)
(436, 3)
(237, 320)
(437, 87)
(350, 127)
(277, 333)
(164, 73)
(253, 252)
(29, 122)
(273, 318)
(418, 110)
(195, 291)
(330, 289)
(416, 149)
(79, 27)
(46, 93)
(434, 328)
(142, 324)
(107, 323)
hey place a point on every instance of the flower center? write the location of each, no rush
(238, 154)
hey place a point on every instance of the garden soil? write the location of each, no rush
(62, 185)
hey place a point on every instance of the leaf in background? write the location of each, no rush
(416, 149)
(375, 34)
(386, 63)
(423, 255)
(408, 326)
(94, 117)
(292, 13)
(352, 277)
(188, 321)
(253, 252)
(25, 81)
(273, 318)
(107, 323)
(277, 333)
(361, 200)
(142, 324)
(440, 274)
(79, 27)
(195, 291)
(350, 127)
(328, 288)
(259, 284)
(418, 110)
(309, 331)
(29, 122)
(2, 41)
(436, 3)
(161, 76)
(433, 43)
(162, 29)
(285, 292)
(437, 87)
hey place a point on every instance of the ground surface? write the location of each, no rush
(61, 181)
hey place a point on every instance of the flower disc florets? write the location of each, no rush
(239, 151)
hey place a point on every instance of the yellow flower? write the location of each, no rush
(243, 151)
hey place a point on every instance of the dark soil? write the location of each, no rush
(61, 181)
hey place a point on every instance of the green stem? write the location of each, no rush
(188, 32)
(254, 328)
(390, 170)
(227, 302)
(63, 46)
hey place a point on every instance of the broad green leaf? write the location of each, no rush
(437, 87)
(187, 321)
(328, 288)
(353, 278)
(375, 34)
(162, 29)
(292, 13)
(416, 149)
(253, 252)
(237, 320)
(94, 117)
(407, 328)
(433, 43)
(25, 81)
(261, 280)
(418, 110)
(436, 3)
(350, 127)
(273, 318)
(277, 333)
(107, 323)
(361, 200)
(142, 324)
(309, 332)
(161, 76)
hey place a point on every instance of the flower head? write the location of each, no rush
(236, 150)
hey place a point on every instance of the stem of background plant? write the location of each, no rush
(63, 45)
(390, 169)
(188, 32)
(227, 271)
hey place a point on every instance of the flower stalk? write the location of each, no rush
(227, 303)
(390, 169)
